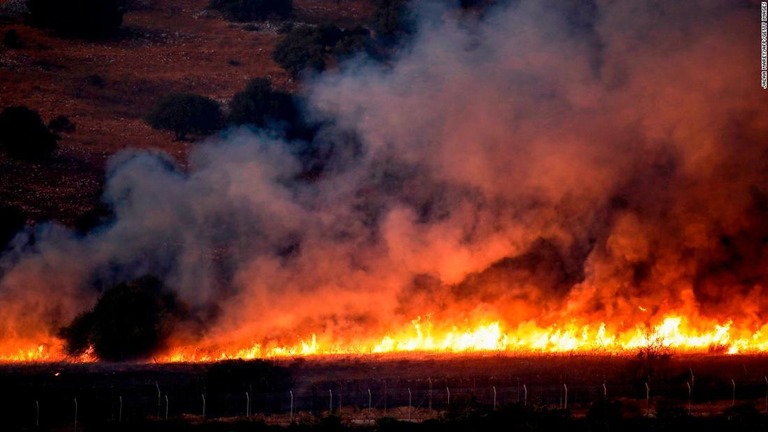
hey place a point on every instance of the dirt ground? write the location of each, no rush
(106, 88)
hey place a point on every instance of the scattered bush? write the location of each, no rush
(130, 321)
(392, 19)
(301, 49)
(95, 80)
(250, 10)
(79, 18)
(186, 113)
(11, 39)
(61, 124)
(305, 48)
(11, 222)
(23, 135)
(261, 104)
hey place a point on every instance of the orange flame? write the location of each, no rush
(673, 334)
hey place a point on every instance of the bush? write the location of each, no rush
(11, 222)
(392, 19)
(12, 40)
(301, 49)
(304, 48)
(186, 113)
(23, 135)
(80, 18)
(61, 124)
(130, 321)
(250, 10)
(261, 104)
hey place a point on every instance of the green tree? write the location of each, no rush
(250, 10)
(23, 135)
(80, 18)
(186, 113)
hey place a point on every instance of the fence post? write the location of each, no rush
(158, 398)
(330, 396)
(647, 400)
(494, 398)
(203, 395)
(525, 395)
(370, 400)
(733, 400)
(565, 406)
(448, 391)
(37, 412)
(166, 407)
(689, 397)
(291, 392)
(430, 394)
(75, 414)
(120, 410)
(409, 403)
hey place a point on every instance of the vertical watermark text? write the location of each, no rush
(764, 45)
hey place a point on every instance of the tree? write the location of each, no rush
(250, 10)
(131, 320)
(261, 104)
(301, 49)
(23, 135)
(186, 113)
(11, 222)
(392, 19)
(79, 18)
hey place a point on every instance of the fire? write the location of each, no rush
(672, 334)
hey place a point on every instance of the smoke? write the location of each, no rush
(539, 161)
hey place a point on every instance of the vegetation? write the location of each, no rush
(250, 10)
(392, 19)
(301, 49)
(305, 48)
(261, 104)
(11, 222)
(130, 321)
(79, 18)
(23, 135)
(11, 39)
(186, 113)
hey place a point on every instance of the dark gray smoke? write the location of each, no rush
(540, 161)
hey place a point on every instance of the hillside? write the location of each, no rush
(106, 88)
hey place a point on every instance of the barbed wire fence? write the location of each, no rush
(361, 400)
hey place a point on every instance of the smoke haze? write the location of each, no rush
(540, 162)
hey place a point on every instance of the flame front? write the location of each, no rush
(673, 334)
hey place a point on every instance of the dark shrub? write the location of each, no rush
(301, 49)
(23, 135)
(130, 321)
(305, 48)
(61, 124)
(11, 39)
(80, 18)
(261, 104)
(392, 19)
(11, 222)
(186, 113)
(250, 10)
